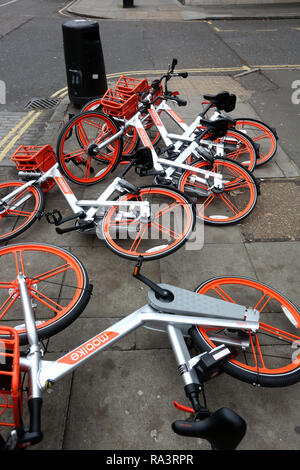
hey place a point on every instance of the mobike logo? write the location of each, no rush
(155, 117)
(63, 185)
(88, 348)
(144, 137)
(175, 116)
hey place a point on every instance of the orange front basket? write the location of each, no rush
(118, 105)
(10, 382)
(131, 86)
(34, 158)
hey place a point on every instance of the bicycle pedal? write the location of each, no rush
(54, 217)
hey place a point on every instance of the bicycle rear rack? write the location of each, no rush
(10, 387)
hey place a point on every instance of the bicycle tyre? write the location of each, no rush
(58, 304)
(179, 199)
(231, 213)
(80, 156)
(268, 299)
(33, 215)
(269, 135)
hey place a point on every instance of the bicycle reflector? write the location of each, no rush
(10, 386)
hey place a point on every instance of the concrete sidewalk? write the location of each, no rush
(122, 399)
(173, 10)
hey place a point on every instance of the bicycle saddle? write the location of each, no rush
(223, 101)
(218, 127)
(223, 429)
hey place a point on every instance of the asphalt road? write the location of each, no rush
(32, 57)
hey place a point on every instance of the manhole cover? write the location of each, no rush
(41, 103)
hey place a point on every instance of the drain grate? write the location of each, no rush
(41, 103)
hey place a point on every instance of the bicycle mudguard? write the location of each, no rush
(224, 429)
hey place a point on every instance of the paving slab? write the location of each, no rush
(274, 263)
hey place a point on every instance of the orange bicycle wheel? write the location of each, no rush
(260, 134)
(225, 206)
(76, 148)
(169, 226)
(57, 285)
(20, 211)
(271, 356)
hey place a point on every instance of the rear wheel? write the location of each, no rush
(56, 281)
(229, 205)
(272, 357)
(169, 226)
(235, 146)
(260, 134)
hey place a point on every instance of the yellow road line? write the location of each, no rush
(19, 134)
(224, 30)
(61, 11)
(265, 30)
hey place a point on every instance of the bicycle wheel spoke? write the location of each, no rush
(74, 154)
(259, 137)
(83, 134)
(8, 303)
(18, 213)
(87, 167)
(138, 239)
(233, 186)
(279, 334)
(229, 204)
(46, 300)
(51, 273)
(166, 230)
(223, 294)
(166, 210)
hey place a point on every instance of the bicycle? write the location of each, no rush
(224, 323)
(152, 221)
(261, 135)
(225, 202)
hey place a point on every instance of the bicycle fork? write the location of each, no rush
(23, 437)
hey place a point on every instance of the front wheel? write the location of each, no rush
(169, 225)
(272, 355)
(225, 206)
(76, 154)
(57, 286)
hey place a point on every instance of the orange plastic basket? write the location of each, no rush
(118, 105)
(131, 86)
(10, 381)
(34, 158)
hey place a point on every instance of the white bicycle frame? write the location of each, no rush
(188, 137)
(90, 207)
(43, 374)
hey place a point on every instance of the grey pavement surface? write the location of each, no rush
(122, 399)
(173, 10)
